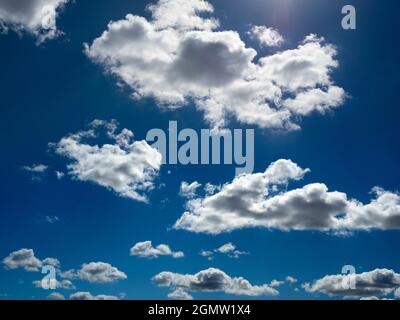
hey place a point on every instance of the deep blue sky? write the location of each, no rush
(54, 89)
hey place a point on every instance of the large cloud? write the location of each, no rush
(146, 250)
(37, 17)
(178, 56)
(125, 167)
(24, 258)
(258, 200)
(379, 282)
(100, 272)
(213, 280)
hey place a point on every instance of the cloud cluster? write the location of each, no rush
(127, 167)
(212, 280)
(258, 200)
(379, 282)
(267, 37)
(37, 17)
(178, 56)
(146, 250)
(228, 249)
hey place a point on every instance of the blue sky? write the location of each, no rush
(53, 89)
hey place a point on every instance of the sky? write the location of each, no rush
(317, 96)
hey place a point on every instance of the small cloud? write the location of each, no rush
(146, 250)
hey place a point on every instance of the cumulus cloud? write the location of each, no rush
(56, 296)
(100, 272)
(267, 37)
(89, 296)
(379, 282)
(37, 17)
(230, 250)
(24, 258)
(213, 280)
(180, 294)
(127, 167)
(258, 200)
(146, 250)
(178, 57)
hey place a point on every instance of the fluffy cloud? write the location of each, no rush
(24, 258)
(146, 250)
(379, 282)
(228, 249)
(37, 17)
(62, 285)
(89, 296)
(180, 294)
(258, 200)
(56, 296)
(100, 272)
(178, 57)
(189, 190)
(213, 280)
(268, 37)
(126, 167)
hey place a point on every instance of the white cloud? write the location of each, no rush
(291, 280)
(397, 294)
(180, 294)
(24, 258)
(62, 285)
(37, 17)
(178, 57)
(59, 174)
(213, 280)
(189, 190)
(100, 272)
(35, 168)
(56, 296)
(267, 37)
(89, 296)
(230, 250)
(379, 282)
(257, 200)
(126, 167)
(146, 250)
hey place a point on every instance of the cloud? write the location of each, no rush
(189, 190)
(62, 285)
(100, 272)
(51, 219)
(267, 37)
(59, 174)
(24, 258)
(379, 282)
(56, 296)
(291, 280)
(35, 168)
(178, 57)
(126, 167)
(397, 294)
(258, 200)
(180, 294)
(230, 250)
(37, 17)
(146, 250)
(213, 280)
(89, 296)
